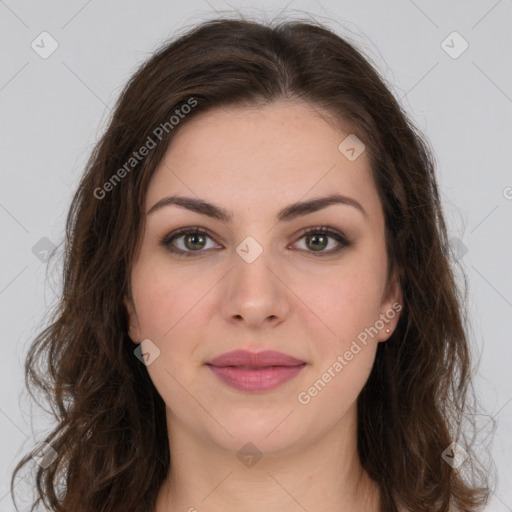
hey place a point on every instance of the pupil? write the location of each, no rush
(315, 244)
(311, 238)
(194, 237)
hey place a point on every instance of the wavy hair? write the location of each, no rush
(111, 450)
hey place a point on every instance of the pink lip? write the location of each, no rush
(246, 358)
(249, 371)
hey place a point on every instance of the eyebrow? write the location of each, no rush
(288, 213)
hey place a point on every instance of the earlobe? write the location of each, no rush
(132, 334)
(132, 319)
(391, 308)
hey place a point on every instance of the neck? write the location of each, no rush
(326, 474)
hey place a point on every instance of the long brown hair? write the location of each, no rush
(111, 446)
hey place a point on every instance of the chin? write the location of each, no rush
(270, 436)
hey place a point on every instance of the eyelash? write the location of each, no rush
(319, 230)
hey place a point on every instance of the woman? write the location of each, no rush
(259, 311)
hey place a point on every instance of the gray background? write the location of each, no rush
(54, 109)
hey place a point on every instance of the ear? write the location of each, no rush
(391, 306)
(133, 325)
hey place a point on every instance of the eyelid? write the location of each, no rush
(342, 240)
(166, 241)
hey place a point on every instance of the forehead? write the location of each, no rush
(261, 158)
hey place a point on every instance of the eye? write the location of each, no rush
(194, 240)
(318, 238)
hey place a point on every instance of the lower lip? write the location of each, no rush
(245, 379)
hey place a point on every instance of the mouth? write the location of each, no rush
(255, 372)
(255, 360)
(255, 379)
(254, 367)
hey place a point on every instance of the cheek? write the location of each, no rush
(343, 360)
(165, 297)
(343, 302)
(171, 306)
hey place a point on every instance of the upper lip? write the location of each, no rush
(246, 358)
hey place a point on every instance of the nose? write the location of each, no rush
(255, 293)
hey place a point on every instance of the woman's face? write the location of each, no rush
(256, 282)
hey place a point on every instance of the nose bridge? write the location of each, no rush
(253, 291)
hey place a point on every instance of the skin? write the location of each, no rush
(254, 162)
